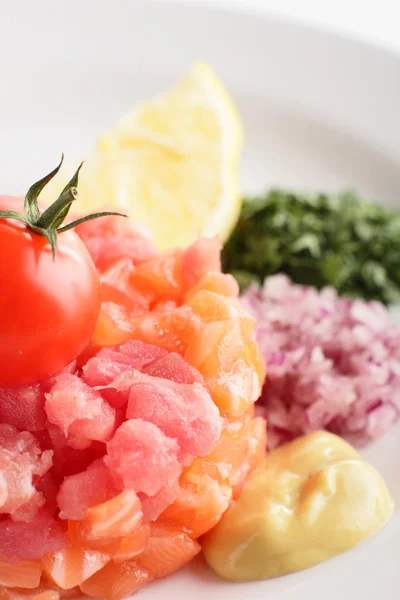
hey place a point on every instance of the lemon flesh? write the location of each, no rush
(171, 164)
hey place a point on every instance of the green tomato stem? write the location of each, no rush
(50, 223)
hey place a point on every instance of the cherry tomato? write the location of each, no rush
(48, 308)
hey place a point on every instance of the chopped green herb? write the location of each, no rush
(319, 240)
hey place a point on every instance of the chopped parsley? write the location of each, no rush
(319, 240)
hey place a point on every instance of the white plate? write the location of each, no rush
(320, 112)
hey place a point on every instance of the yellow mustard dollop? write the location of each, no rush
(312, 499)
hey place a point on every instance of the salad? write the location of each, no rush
(131, 367)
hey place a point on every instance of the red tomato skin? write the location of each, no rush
(48, 309)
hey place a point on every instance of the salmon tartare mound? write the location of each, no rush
(111, 470)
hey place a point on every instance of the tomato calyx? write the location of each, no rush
(49, 223)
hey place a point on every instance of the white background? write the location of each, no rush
(376, 21)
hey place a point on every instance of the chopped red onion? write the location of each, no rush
(332, 362)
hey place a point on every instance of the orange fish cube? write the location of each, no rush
(203, 498)
(168, 550)
(72, 566)
(123, 548)
(20, 594)
(25, 574)
(111, 519)
(116, 581)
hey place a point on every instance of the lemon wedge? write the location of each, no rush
(171, 164)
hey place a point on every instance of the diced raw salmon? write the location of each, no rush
(203, 498)
(20, 594)
(118, 278)
(46, 583)
(115, 518)
(72, 566)
(134, 302)
(162, 275)
(72, 593)
(168, 550)
(117, 581)
(211, 306)
(240, 449)
(220, 283)
(25, 574)
(200, 259)
(123, 548)
(172, 330)
(220, 354)
(120, 303)
(131, 545)
(164, 306)
(114, 324)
